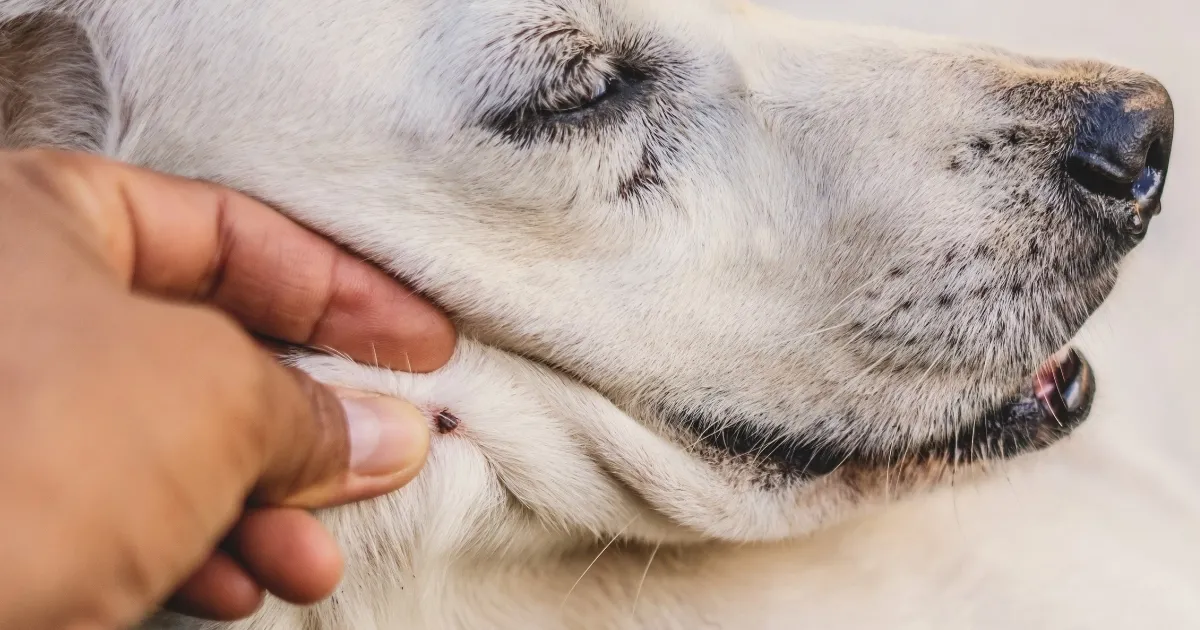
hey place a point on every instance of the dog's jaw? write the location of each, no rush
(561, 458)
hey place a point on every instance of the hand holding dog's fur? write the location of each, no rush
(134, 428)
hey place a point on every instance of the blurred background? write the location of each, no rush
(1103, 532)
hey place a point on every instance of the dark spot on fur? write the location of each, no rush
(1014, 135)
(895, 272)
(872, 295)
(905, 305)
(984, 252)
(982, 292)
(445, 421)
(955, 164)
(643, 178)
(1017, 288)
(877, 336)
(950, 256)
(982, 145)
(1034, 249)
(945, 300)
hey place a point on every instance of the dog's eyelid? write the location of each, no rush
(584, 85)
(578, 92)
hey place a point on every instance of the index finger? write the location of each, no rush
(194, 240)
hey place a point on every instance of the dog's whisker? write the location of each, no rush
(954, 462)
(887, 482)
(713, 430)
(867, 326)
(845, 458)
(408, 363)
(334, 352)
(870, 368)
(832, 311)
(597, 559)
(642, 582)
(877, 278)
(814, 333)
(779, 440)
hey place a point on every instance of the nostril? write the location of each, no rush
(1102, 177)
(1139, 183)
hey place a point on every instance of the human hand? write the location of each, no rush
(140, 427)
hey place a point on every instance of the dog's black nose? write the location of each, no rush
(1122, 148)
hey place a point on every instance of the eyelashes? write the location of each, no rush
(589, 99)
(592, 91)
(580, 96)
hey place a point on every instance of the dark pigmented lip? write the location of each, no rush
(1058, 400)
(1062, 384)
(1055, 400)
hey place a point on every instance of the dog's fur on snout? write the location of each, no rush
(772, 243)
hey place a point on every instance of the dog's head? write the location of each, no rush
(800, 261)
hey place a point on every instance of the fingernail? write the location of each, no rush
(387, 436)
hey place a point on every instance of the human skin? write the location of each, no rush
(151, 449)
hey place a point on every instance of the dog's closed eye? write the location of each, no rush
(591, 97)
(580, 93)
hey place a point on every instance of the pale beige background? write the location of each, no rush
(1103, 531)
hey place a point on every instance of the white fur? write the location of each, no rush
(797, 165)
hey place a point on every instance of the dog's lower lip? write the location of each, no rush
(1058, 400)
(1062, 385)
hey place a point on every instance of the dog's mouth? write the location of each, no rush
(1057, 399)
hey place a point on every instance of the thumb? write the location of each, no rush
(328, 447)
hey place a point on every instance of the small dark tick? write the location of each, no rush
(446, 421)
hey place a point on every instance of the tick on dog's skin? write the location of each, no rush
(445, 421)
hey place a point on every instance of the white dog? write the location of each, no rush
(723, 277)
